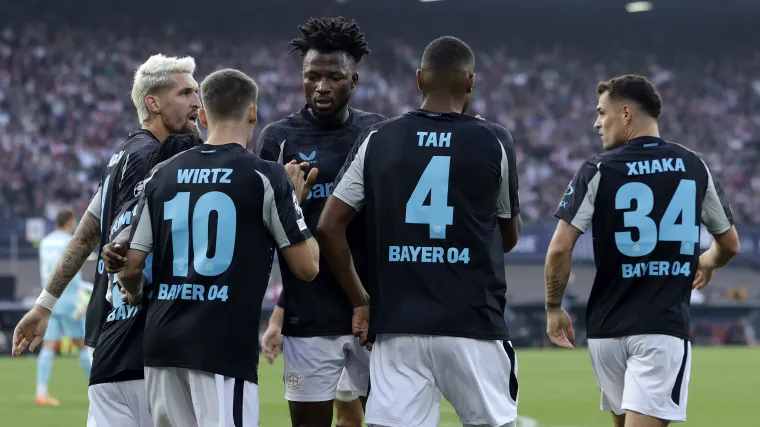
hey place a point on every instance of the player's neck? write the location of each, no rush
(226, 133)
(339, 118)
(648, 130)
(157, 129)
(441, 104)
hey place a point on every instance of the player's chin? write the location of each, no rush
(324, 110)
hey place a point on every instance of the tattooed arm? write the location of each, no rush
(84, 241)
(559, 326)
(558, 260)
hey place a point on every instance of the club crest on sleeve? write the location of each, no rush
(294, 380)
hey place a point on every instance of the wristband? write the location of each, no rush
(47, 300)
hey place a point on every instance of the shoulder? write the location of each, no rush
(364, 119)
(498, 131)
(141, 140)
(682, 149)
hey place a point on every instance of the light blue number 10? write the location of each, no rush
(683, 203)
(177, 209)
(434, 181)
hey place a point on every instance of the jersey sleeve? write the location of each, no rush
(716, 212)
(268, 147)
(96, 204)
(283, 216)
(508, 204)
(350, 183)
(577, 204)
(142, 230)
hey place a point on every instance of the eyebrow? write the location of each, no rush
(188, 89)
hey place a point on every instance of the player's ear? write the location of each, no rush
(253, 114)
(153, 104)
(470, 83)
(627, 114)
(419, 79)
(354, 80)
(202, 117)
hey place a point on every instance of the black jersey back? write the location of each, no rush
(212, 216)
(318, 308)
(119, 354)
(124, 171)
(432, 186)
(644, 202)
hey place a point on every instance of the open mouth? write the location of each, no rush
(193, 117)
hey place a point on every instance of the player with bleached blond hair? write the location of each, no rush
(165, 95)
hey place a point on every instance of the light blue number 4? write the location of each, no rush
(687, 232)
(434, 181)
(177, 210)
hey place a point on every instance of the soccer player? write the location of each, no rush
(213, 216)
(166, 98)
(643, 198)
(318, 343)
(117, 387)
(62, 320)
(440, 192)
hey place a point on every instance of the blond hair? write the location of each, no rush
(156, 74)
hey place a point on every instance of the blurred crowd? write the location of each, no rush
(65, 107)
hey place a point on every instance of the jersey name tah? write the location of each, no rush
(432, 186)
(644, 202)
(318, 308)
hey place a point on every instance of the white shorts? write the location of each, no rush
(410, 373)
(189, 398)
(313, 366)
(648, 374)
(345, 392)
(123, 404)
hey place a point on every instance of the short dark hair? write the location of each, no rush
(447, 54)
(227, 94)
(174, 144)
(328, 35)
(633, 88)
(63, 217)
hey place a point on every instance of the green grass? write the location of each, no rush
(556, 388)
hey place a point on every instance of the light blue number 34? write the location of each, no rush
(683, 202)
(434, 181)
(177, 211)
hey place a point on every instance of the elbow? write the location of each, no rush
(308, 271)
(558, 252)
(732, 249)
(509, 243)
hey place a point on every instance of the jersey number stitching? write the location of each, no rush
(682, 203)
(177, 211)
(434, 181)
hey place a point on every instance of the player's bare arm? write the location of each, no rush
(271, 341)
(331, 232)
(31, 329)
(559, 258)
(723, 249)
(131, 276)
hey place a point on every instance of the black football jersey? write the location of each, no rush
(432, 186)
(212, 216)
(119, 354)
(125, 170)
(318, 308)
(644, 202)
